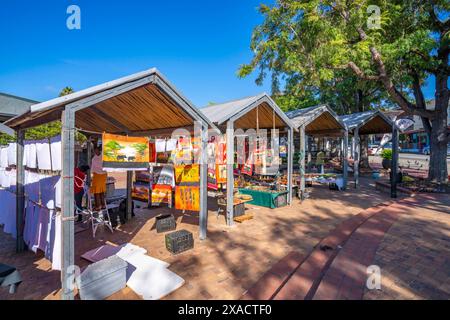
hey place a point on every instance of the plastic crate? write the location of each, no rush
(179, 241)
(165, 223)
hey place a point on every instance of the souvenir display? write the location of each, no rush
(141, 191)
(212, 180)
(221, 173)
(152, 152)
(187, 198)
(125, 152)
(161, 193)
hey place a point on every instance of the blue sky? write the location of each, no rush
(198, 45)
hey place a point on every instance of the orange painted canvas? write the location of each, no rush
(221, 173)
(161, 193)
(187, 174)
(125, 152)
(187, 198)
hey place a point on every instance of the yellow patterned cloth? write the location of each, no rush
(98, 183)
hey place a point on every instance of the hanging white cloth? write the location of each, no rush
(4, 157)
(5, 180)
(55, 147)
(160, 145)
(58, 199)
(43, 155)
(171, 144)
(56, 255)
(12, 147)
(31, 155)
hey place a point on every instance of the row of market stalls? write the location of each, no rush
(252, 139)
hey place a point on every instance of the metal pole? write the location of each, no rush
(67, 225)
(394, 164)
(230, 175)
(89, 159)
(356, 158)
(203, 163)
(129, 198)
(290, 160)
(20, 192)
(302, 161)
(345, 159)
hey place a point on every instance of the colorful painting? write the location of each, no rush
(221, 173)
(152, 152)
(187, 198)
(221, 151)
(161, 193)
(163, 175)
(140, 191)
(183, 153)
(125, 152)
(212, 180)
(187, 174)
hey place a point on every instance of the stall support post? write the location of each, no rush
(20, 191)
(89, 159)
(129, 198)
(290, 160)
(230, 176)
(203, 183)
(394, 164)
(67, 225)
(352, 151)
(302, 161)
(356, 158)
(345, 159)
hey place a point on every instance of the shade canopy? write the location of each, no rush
(318, 120)
(368, 122)
(135, 105)
(248, 113)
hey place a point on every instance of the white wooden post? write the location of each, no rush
(67, 194)
(302, 161)
(356, 158)
(230, 175)
(290, 160)
(203, 215)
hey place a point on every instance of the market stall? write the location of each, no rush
(321, 123)
(365, 123)
(141, 105)
(256, 165)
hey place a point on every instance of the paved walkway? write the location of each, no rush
(409, 240)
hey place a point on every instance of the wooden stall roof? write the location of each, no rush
(368, 122)
(135, 105)
(318, 120)
(244, 113)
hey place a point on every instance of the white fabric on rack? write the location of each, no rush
(12, 147)
(55, 146)
(56, 255)
(5, 182)
(171, 144)
(31, 155)
(58, 189)
(160, 145)
(4, 157)
(43, 155)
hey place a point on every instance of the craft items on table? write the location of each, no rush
(128, 153)
(187, 198)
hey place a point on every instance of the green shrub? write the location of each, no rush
(386, 154)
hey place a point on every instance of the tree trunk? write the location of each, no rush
(438, 149)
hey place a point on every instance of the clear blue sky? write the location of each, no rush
(198, 45)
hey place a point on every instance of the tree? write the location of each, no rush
(319, 41)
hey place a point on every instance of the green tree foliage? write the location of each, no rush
(112, 148)
(140, 148)
(332, 47)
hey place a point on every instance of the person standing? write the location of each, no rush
(98, 187)
(79, 183)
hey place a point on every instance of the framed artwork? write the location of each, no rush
(221, 173)
(187, 174)
(161, 193)
(212, 180)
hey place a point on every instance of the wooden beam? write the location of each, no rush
(20, 191)
(230, 175)
(203, 162)
(166, 132)
(110, 119)
(67, 215)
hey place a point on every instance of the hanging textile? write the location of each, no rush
(161, 193)
(160, 145)
(171, 144)
(125, 152)
(30, 153)
(221, 151)
(187, 174)
(221, 173)
(8, 211)
(32, 185)
(187, 198)
(152, 152)
(183, 153)
(212, 180)
(4, 157)
(12, 148)
(55, 148)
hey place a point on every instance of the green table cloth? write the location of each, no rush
(262, 198)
